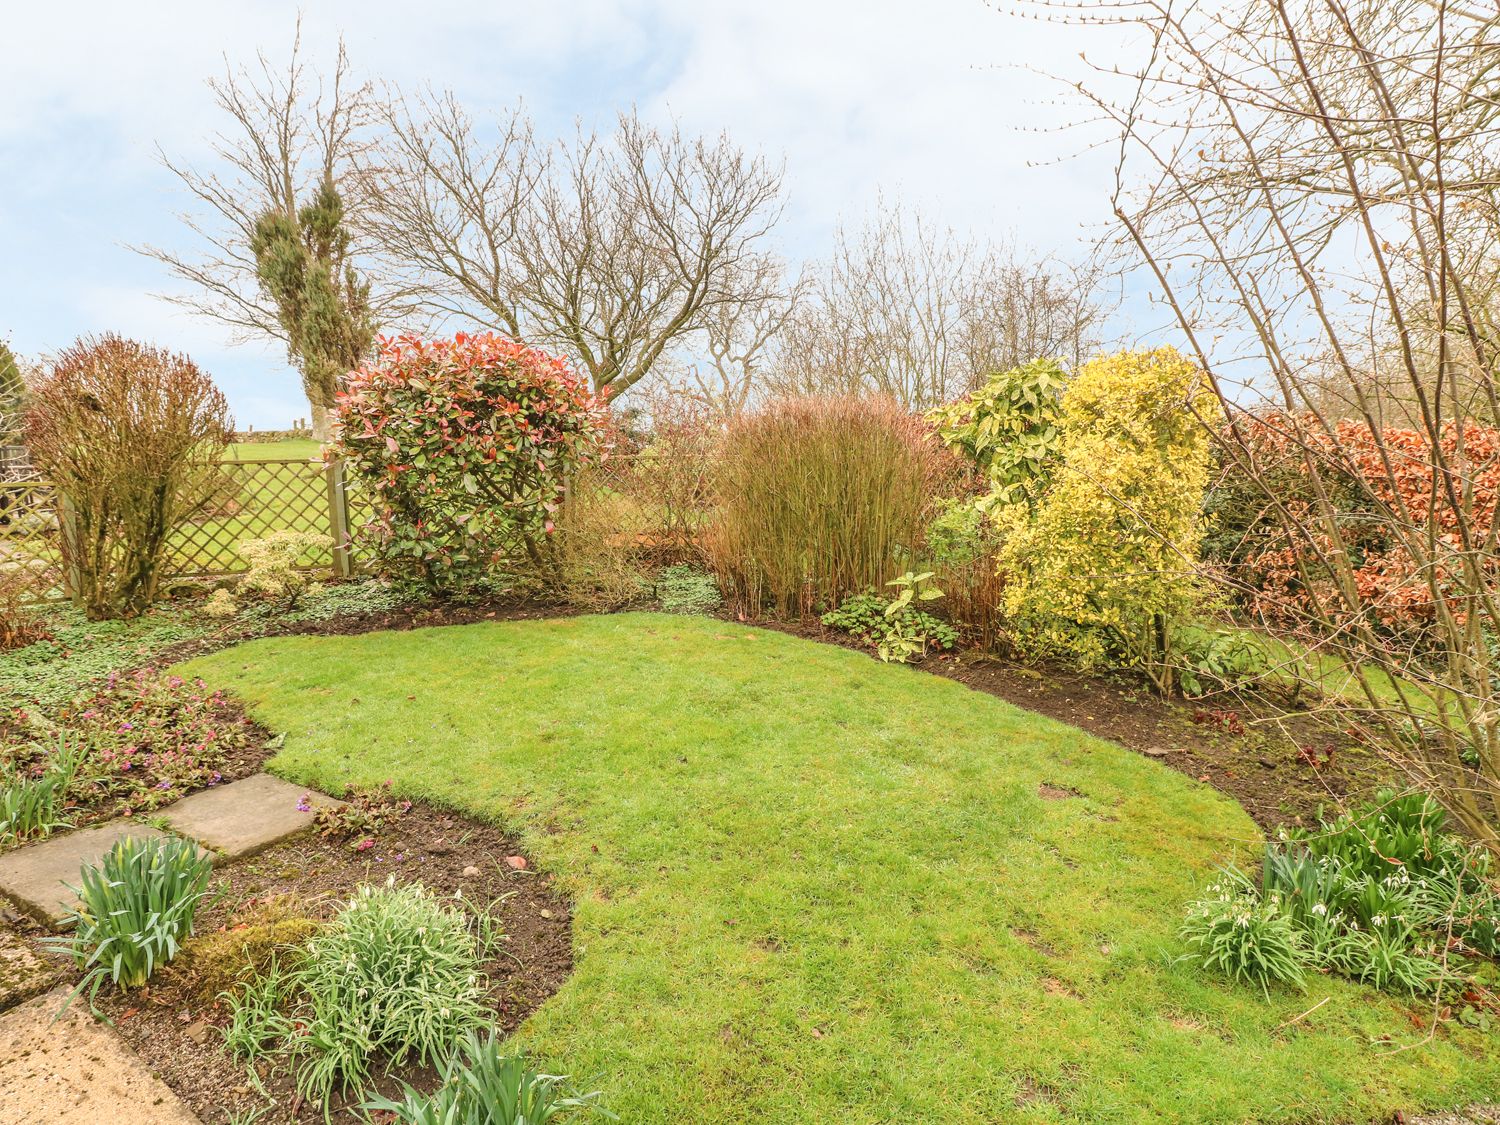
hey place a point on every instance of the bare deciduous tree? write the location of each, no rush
(1312, 185)
(923, 315)
(739, 343)
(612, 249)
(290, 133)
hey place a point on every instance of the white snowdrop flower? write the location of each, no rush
(1319, 908)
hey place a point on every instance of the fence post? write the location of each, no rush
(338, 517)
(67, 530)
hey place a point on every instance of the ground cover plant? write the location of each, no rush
(1381, 894)
(134, 744)
(811, 885)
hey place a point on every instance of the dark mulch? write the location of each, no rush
(1282, 765)
(177, 1033)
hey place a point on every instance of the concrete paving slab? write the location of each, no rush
(24, 973)
(35, 877)
(244, 817)
(76, 1071)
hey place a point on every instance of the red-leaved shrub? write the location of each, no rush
(465, 447)
(1383, 488)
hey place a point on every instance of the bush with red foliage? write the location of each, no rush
(1384, 487)
(466, 447)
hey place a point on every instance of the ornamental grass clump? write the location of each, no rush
(819, 498)
(394, 976)
(136, 907)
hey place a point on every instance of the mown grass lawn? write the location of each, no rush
(812, 887)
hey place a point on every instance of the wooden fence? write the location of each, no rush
(249, 499)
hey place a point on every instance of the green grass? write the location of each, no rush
(813, 887)
(261, 450)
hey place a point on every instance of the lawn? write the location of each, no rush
(812, 887)
(300, 448)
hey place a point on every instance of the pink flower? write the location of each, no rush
(364, 845)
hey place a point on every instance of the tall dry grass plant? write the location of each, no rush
(819, 498)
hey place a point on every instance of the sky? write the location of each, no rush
(929, 102)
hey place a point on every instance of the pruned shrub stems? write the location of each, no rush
(129, 435)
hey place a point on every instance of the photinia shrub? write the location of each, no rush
(465, 447)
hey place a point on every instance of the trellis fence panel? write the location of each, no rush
(248, 499)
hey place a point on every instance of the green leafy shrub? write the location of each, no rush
(895, 628)
(129, 435)
(686, 589)
(1209, 660)
(135, 910)
(464, 447)
(819, 498)
(395, 975)
(1104, 568)
(1009, 429)
(481, 1085)
(277, 569)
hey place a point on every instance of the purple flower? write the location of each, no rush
(164, 784)
(304, 803)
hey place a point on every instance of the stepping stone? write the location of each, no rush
(76, 1071)
(23, 974)
(247, 816)
(34, 877)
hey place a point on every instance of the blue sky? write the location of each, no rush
(921, 100)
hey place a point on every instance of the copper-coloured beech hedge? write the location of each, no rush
(129, 435)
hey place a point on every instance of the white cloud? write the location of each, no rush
(917, 99)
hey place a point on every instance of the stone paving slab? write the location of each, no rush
(244, 817)
(34, 877)
(76, 1071)
(1473, 1115)
(23, 972)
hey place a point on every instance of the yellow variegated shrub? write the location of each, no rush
(1106, 564)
